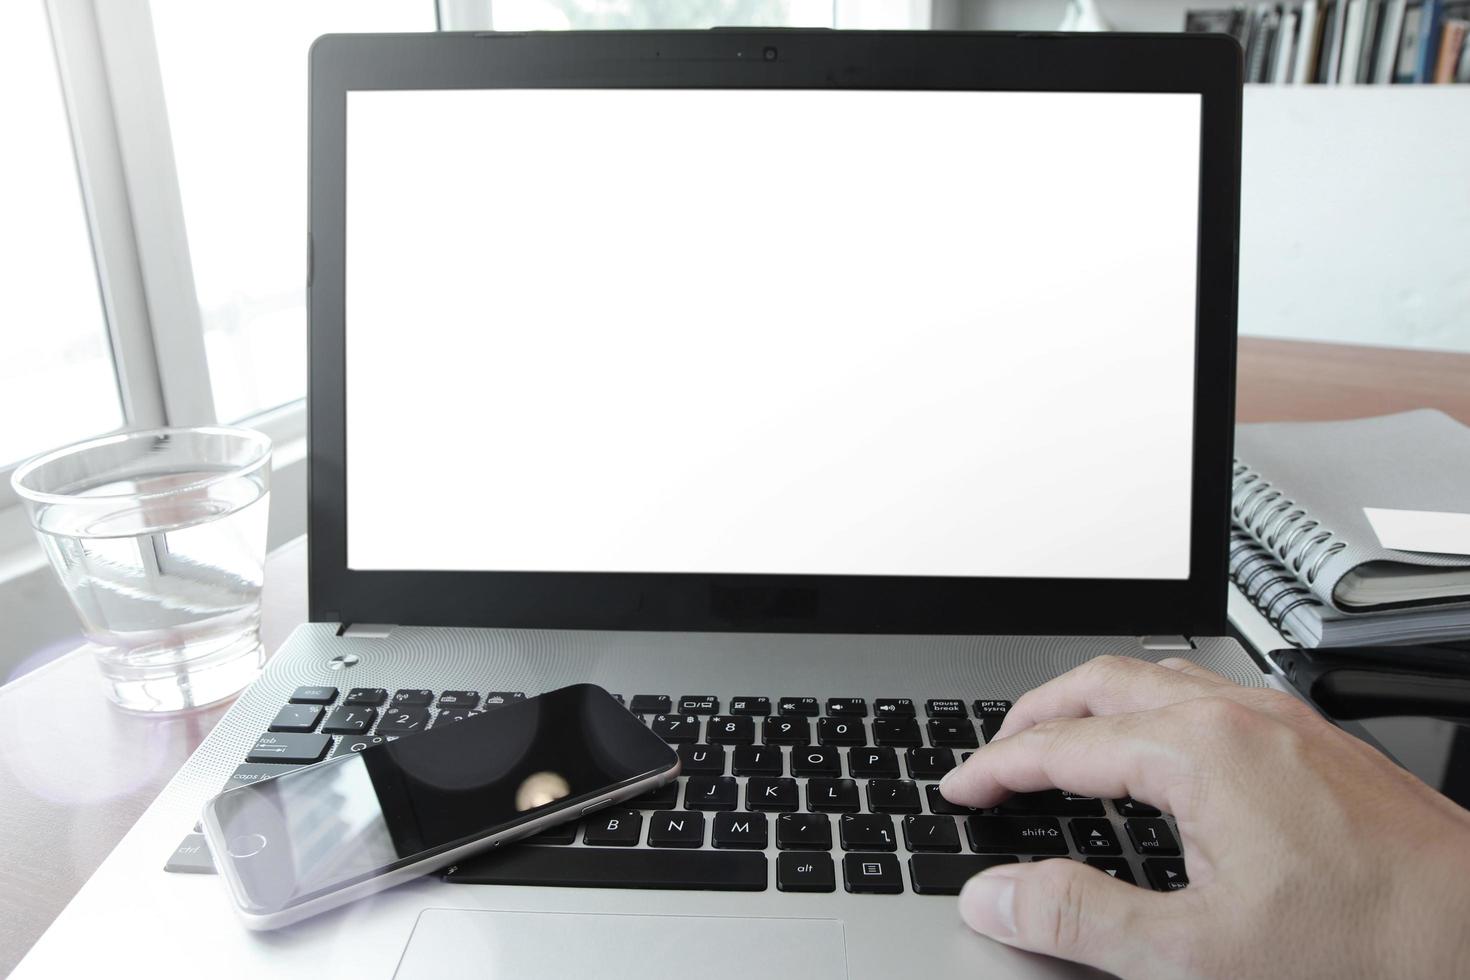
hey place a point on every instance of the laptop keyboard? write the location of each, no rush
(839, 792)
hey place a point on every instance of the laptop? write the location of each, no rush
(818, 393)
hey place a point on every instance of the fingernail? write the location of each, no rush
(946, 779)
(988, 905)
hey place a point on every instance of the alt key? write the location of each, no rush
(810, 872)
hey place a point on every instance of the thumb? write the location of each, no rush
(1063, 908)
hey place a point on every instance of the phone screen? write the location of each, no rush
(327, 826)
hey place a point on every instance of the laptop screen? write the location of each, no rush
(897, 333)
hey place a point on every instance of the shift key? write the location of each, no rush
(289, 748)
(1016, 835)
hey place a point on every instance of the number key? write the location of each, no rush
(840, 731)
(731, 730)
(676, 728)
(349, 720)
(786, 731)
(404, 721)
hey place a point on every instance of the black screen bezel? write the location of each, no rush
(1208, 65)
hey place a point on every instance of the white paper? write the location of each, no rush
(1421, 530)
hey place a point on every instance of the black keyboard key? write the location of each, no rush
(991, 707)
(832, 795)
(748, 705)
(1151, 836)
(776, 795)
(560, 835)
(926, 833)
(938, 804)
(468, 700)
(946, 874)
(1050, 803)
(314, 695)
(651, 704)
(867, 832)
(666, 797)
(929, 763)
(945, 708)
(1016, 835)
(696, 759)
(586, 867)
(758, 760)
(870, 763)
(1166, 874)
(191, 857)
(711, 793)
(893, 708)
(448, 716)
(840, 731)
(613, 828)
(498, 699)
(786, 731)
(1096, 836)
(952, 732)
(676, 828)
(699, 704)
(351, 746)
(1114, 866)
(254, 772)
(804, 832)
(902, 732)
(289, 749)
(800, 706)
(730, 729)
(404, 721)
(815, 760)
(847, 707)
(413, 698)
(893, 796)
(676, 728)
(805, 873)
(876, 873)
(296, 718)
(740, 830)
(1129, 807)
(368, 697)
(350, 720)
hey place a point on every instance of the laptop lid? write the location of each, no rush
(770, 330)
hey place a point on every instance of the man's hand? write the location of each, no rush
(1309, 853)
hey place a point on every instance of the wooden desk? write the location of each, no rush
(75, 773)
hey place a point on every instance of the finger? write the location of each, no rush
(1145, 755)
(1065, 908)
(1193, 669)
(1107, 686)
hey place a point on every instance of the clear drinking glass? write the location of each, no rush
(159, 538)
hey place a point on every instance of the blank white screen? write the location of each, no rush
(784, 332)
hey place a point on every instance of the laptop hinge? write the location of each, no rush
(366, 631)
(1165, 643)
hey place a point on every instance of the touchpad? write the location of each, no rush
(617, 947)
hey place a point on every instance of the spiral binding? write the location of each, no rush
(1266, 583)
(1279, 526)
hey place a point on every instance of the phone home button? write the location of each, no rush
(246, 845)
(596, 805)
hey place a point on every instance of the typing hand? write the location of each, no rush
(1308, 852)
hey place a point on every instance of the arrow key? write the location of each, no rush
(1166, 874)
(1115, 867)
(1095, 837)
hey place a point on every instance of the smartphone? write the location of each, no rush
(316, 838)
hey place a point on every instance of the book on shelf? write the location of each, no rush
(1304, 551)
(1345, 42)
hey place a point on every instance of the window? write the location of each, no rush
(56, 367)
(553, 15)
(238, 118)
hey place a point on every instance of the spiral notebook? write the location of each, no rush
(1303, 551)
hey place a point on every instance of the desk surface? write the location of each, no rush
(75, 773)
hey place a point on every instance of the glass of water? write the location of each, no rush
(159, 538)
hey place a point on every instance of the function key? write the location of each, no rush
(876, 873)
(1129, 807)
(805, 873)
(619, 699)
(296, 718)
(350, 720)
(498, 699)
(412, 698)
(1114, 867)
(314, 695)
(799, 706)
(1016, 835)
(676, 728)
(847, 707)
(369, 697)
(731, 729)
(699, 704)
(1151, 836)
(1166, 874)
(651, 704)
(747, 705)
(459, 699)
(945, 708)
(893, 708)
